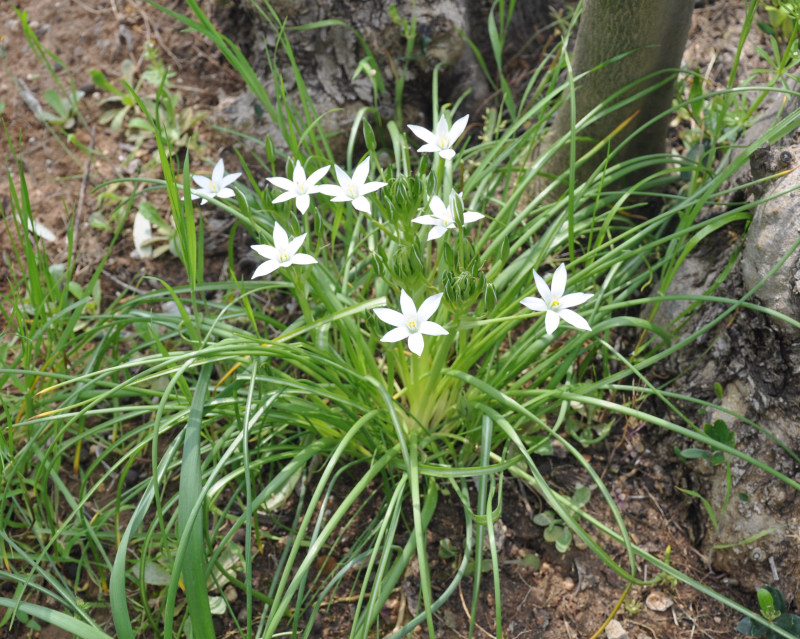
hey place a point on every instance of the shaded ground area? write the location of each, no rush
(569, 594)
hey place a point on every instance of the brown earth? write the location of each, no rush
(571, 594)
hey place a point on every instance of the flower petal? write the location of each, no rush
(447, 154)
(441, 127)
(457, 129)
(266, 251)
(436, 232)
(407, 306)
(472, 216)
(390, 316)
(317, 175)
(303, 259)
(299, 173)
(544, 290)
(416, 343)
(279, 236)
(559, 282)
(219, 172)
(550, 322)
(202, 181)
(341, 177)
(225, 193)
(573, 299)
(266, 268)
(362, 172)
(303, 202)
(429, 148)
(370, 187)
(284, 197)
(432, 328)
(229, 179)
(534, 303)
(423, 134)
(427, 219)
(429, 306)
(361, 204)
(573, 318)
(282, 183)
(296, 243)
(437, 206)
(396, 334)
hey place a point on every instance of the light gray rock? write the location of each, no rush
(614, 630)
(774, 231)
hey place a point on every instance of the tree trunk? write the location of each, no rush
(328, 57)
(650, 36)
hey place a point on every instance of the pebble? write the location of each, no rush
(658, 601)
(230, 593)
(614, 630)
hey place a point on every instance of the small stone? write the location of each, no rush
(614, 630)
(230, 593)
(658, 601)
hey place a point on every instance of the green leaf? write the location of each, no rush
(564, 540)
(790, 623)
(720, 432)
(544, 519)
(150, 213)
(581, 497)
(369, 136)
(553, 533)
(766, 604)
(154, 574)
(750, 628)
(52, 98)
(692, 453)
(101, 82)
(777, 598)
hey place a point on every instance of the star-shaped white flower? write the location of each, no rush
(444, 217)
(216, 185)
(412, 324)
(283, 254)
(555, 304)
(441, 140)
(352, 189)
(299, 187)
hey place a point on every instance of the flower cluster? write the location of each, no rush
(410, 323)
(217, 186)
(444, 217)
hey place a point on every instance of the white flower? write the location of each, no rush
(444, 217)
(555, 304)
(411, 323)
(352, 189)
(299, 187)
(216, 185)
(442, 140)
(283, 254)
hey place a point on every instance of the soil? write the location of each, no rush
(570, 594)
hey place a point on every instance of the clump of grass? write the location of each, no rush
(199, 421)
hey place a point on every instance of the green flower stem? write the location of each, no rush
(447, 184)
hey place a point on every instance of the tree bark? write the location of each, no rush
(650, 35)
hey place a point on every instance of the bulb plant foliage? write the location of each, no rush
(394, 342)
